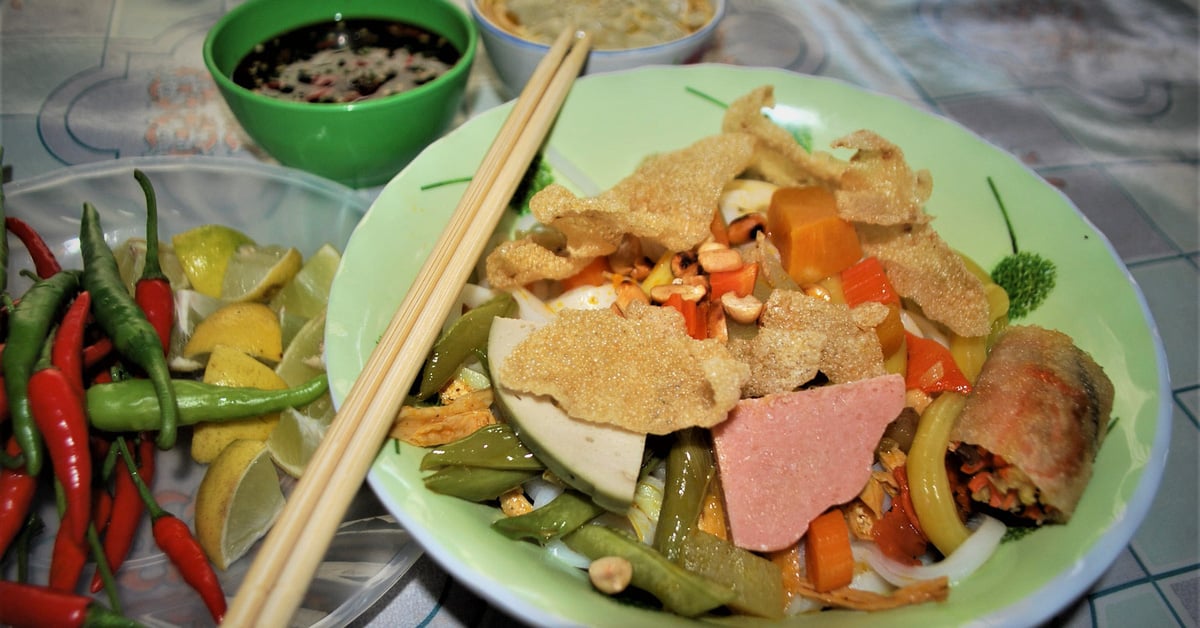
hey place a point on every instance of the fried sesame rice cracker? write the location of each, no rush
(849, 353)
(641, 372)
(879, 188)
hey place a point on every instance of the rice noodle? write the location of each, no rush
(969, 556)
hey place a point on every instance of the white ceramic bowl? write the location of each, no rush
(514, 58)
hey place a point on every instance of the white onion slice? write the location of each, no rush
(969, 556)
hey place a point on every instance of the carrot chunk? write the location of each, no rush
(739, 282)
(591, 275)
(866, 281)
(828, 558)
(813, 241)
(695, 320)
(932, 368)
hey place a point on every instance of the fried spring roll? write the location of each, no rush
(1030, 430)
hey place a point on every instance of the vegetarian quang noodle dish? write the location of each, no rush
(751, 378)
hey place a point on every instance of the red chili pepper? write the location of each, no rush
(43, 258)
(58, 411)
(175, 539)
(153, 291)
(23, 605)
(67, 351)
(96, 352)
(17, 489)
(127, 510)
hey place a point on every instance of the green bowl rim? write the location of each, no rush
(460, 69)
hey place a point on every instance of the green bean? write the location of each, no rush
(563, 515)
(494, 447)
(689, 470)
(680, 591)
(4, 240)
(929, 486)
(466, 336)
(757, 582)
(130, 405)
(476, 484)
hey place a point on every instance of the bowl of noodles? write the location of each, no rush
(517, 33)
(621, 124)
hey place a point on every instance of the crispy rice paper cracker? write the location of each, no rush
(879, 188)
(641, 372)
(779, 158)
(669, 200)
(922, 267)
(780, 360)
(848, 353)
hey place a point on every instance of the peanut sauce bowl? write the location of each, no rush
(355, 139)
(609, 124)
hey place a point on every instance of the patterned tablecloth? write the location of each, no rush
(1099, 97)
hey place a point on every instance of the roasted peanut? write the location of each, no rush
(660, 294)
(720, 260)
(610, 574)
(744, 229)
(744, 310)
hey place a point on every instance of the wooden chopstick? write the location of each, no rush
(296, 545)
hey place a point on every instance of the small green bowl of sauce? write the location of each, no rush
(350, 90)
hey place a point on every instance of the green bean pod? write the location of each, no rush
(494, 447)
(466, 336)
(131, 405)
(929, 486)
(680, 591)
(757, 582)
(563, 515)
(4, 240)
(690, 468)
(124, 322)
(476, 484)
(29, 325)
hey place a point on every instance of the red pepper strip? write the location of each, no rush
(175, 539)
(59, 414)
(31, 605)
(67, 351)
(17, 489)
(153, 291)
(95, 353)
(127, 510)
(43, 258)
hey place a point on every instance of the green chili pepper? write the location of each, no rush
(466, 336)
(563, 515)
(476, 484)
(680, 591)
(494, 447)
(29, 326)
(689, 470)
(121, 318)
(757, 582)
(131, 406)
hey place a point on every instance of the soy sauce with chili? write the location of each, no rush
(346, 61)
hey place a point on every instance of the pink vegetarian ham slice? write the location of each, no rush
(786, 458)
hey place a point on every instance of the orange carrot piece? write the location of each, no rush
(694, 320)
(719, 228)
(891, 332)
(866, 281)
(594, 274)
(739, 282)
(828, 559)
(931, 367)
(813, 241)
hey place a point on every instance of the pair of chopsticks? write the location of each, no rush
(288, 559)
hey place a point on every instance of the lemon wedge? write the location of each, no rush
(307, 293)
(250, 327)
(230, 367)
(237, 502)
(304, 357)
(255, 273)
(296, 437)
(204, 253)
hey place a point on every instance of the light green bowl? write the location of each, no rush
(360, 144)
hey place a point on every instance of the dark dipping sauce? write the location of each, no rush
(346, 61)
